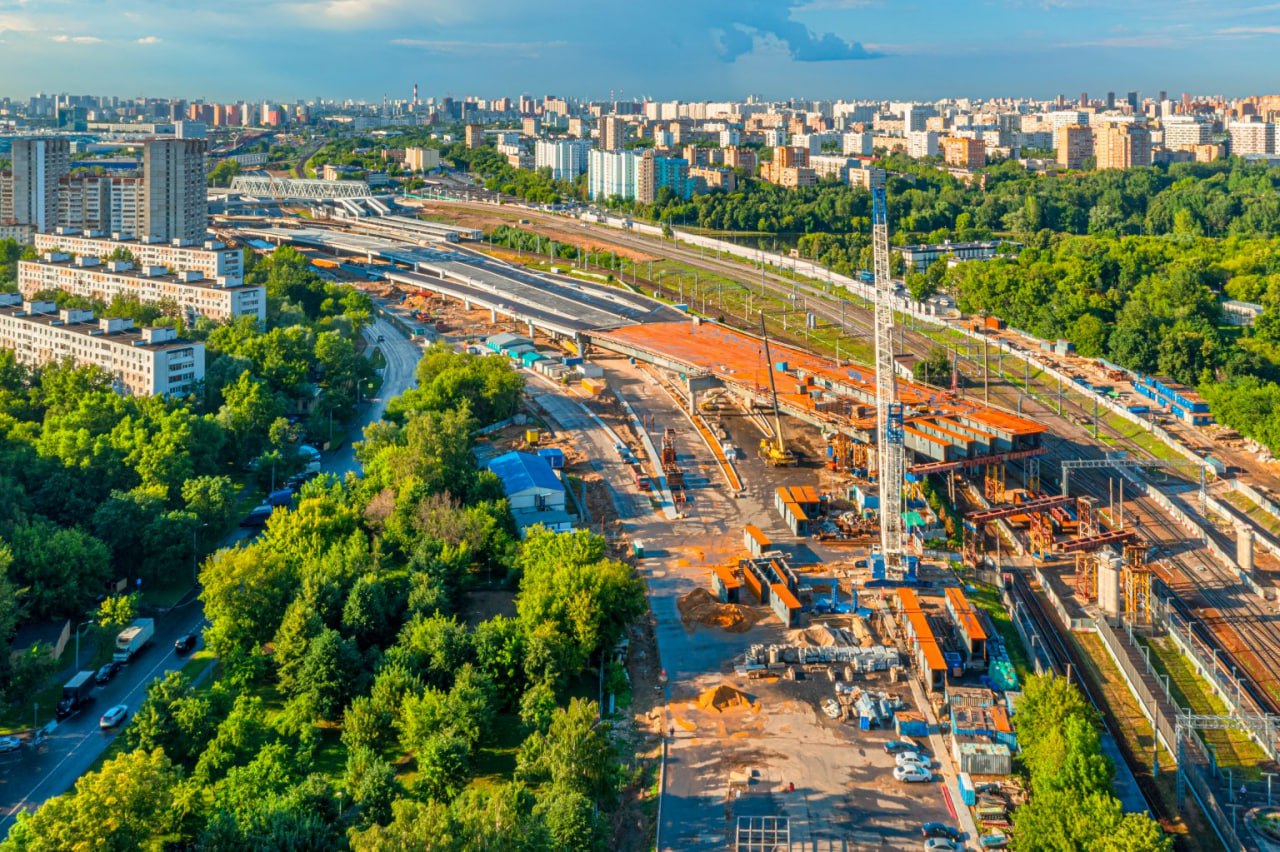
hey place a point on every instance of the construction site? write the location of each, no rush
(816, 535)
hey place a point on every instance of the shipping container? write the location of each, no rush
(968, 794)
(994, 323)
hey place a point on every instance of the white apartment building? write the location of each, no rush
(1252, 137)
(218, 299)
(567, 158)
(856, 144)
(831, 166)
(611, 173)
(421, 159)
(101, 203)
(143, 361)
(211, 258)
(922, 143)
(1183, 131)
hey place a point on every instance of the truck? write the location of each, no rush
(75, 694)
(133, 639)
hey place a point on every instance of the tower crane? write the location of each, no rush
(890, 437)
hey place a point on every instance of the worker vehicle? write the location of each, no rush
(912, 774)
(939, 829)
(133, 639)
(75, 694)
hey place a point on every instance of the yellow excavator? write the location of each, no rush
(774, 452)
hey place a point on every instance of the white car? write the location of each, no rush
(940, 844)
(913, 758)
(113, 717)
(912, 774)
(8, 744)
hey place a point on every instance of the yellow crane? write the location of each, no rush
(775, 452)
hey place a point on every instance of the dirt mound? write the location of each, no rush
(724, 697)
(699, 608)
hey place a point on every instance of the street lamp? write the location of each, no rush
(78, 626)
(195, 551)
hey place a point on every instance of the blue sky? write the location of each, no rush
(664, 49)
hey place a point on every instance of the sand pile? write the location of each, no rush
(699, 608)
(724, 697)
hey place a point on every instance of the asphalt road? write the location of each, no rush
(31, 775)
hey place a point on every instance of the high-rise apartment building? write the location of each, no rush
(567, 158)
(1252, 137)
(613, 133)
(964, 153)
(922, 143)
(36, 167)
(612, 173)
(474, 136)
(1074, 144)
(108, 203)
(176, 205)
(915, 117)
(654, 172)
(1122, 145)
(1183, 132)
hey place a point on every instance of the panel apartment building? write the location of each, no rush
(220, 299)
(142, 361)
(211, 258)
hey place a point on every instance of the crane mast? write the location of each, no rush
(889, 428)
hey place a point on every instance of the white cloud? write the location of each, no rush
(368, 14)
(149, 40)
(1250, 31)
(63, 38)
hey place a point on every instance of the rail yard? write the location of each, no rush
(779, 632)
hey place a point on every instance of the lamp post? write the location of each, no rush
(78, 626)
(195, 551)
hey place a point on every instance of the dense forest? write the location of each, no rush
(97, 487)
(354, 706)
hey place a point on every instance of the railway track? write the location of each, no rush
(1063, 657)
(1038, 399)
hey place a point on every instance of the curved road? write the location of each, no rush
(32, 775)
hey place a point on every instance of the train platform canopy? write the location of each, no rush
(819, 387)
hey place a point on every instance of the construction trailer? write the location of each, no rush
(726, 584)
(931, 666)
(755, 541)
(968, 629)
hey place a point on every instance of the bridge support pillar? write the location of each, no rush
(466, 304)
(530, 324)
(493, 315)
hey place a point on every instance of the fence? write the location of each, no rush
(1196, 763)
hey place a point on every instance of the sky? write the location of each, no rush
(660, 49)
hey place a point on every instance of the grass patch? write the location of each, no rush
(987, 598)
(1234, 748)
(495, 761)
(1255, 513)
(1138, 738)
(18, 718)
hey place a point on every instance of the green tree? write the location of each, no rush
(124, 806)
(575, 753)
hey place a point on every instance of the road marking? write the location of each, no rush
(146, 681)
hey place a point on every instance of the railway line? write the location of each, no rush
(1211, 601)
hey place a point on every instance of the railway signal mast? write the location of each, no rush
(894, 563)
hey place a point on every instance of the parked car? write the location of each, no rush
(911, 758)
(912, 774)
(258, 517)
(107, 672)
(186, 642)
(895, 746)
(114, 716)
(939, 829)
(8, 744)
(940, 844)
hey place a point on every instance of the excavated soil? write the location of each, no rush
(724, 697)
(699, 609)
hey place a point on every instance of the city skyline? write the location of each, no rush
(815, 48)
